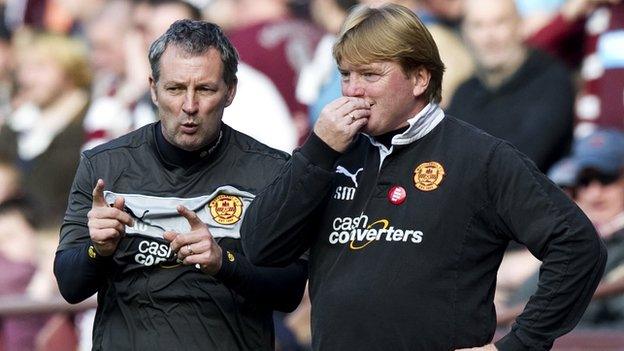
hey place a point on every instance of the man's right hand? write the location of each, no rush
(341, 120)
(107, 224)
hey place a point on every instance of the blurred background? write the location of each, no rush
(546, 75)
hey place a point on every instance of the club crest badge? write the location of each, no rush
(226, 209)
(428, 176)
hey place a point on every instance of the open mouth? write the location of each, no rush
(189, 127)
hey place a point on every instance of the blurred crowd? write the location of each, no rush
(546, 75)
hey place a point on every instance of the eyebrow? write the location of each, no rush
(199, 84)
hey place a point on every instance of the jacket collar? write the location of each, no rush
(419, 125)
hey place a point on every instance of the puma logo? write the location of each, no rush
(352, 176)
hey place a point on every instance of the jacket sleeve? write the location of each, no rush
(280, 288)
(77, 274)
(533, 211)
(276, 228)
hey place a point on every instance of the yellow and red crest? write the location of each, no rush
(226, 209)
(428, 176)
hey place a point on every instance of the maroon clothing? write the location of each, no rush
(597, 40)
(18, 333)
(279, 49)
(560, 38)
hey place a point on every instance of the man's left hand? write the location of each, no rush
(196, 247)
(488, 347)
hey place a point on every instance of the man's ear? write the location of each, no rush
(152, 84)
(231, 93)
(420, 79)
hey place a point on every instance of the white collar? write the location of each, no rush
(419, 125)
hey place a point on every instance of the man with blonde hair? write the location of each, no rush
(406, 212)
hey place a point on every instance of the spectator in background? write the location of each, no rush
(18, 264)
(536, 13)
(442, 18)
(271, 40)
(319, 81)
(596, 172)
(517, 94)
(71, 16)
(117, 59)
(223, 13)
(105, 34)
(599, 159)
(590, 32)
(10, 181)
(44, 134)
(6, 73)
(600, 194)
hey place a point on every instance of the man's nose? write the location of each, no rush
(190, 105)
(352, 88)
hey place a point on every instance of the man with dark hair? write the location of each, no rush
(407, 212)
(161, 245)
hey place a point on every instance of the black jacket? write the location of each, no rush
(420, 275)
(146, 301)
(532, 109)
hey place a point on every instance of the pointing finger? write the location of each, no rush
(194, 221)
(98, 194)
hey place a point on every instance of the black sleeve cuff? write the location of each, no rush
(94, 257)
(319, 153)
(510, 342)
(228, 266)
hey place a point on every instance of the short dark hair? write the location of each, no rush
(195, 38)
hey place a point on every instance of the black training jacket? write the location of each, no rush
(405, 242)
(146, 300)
